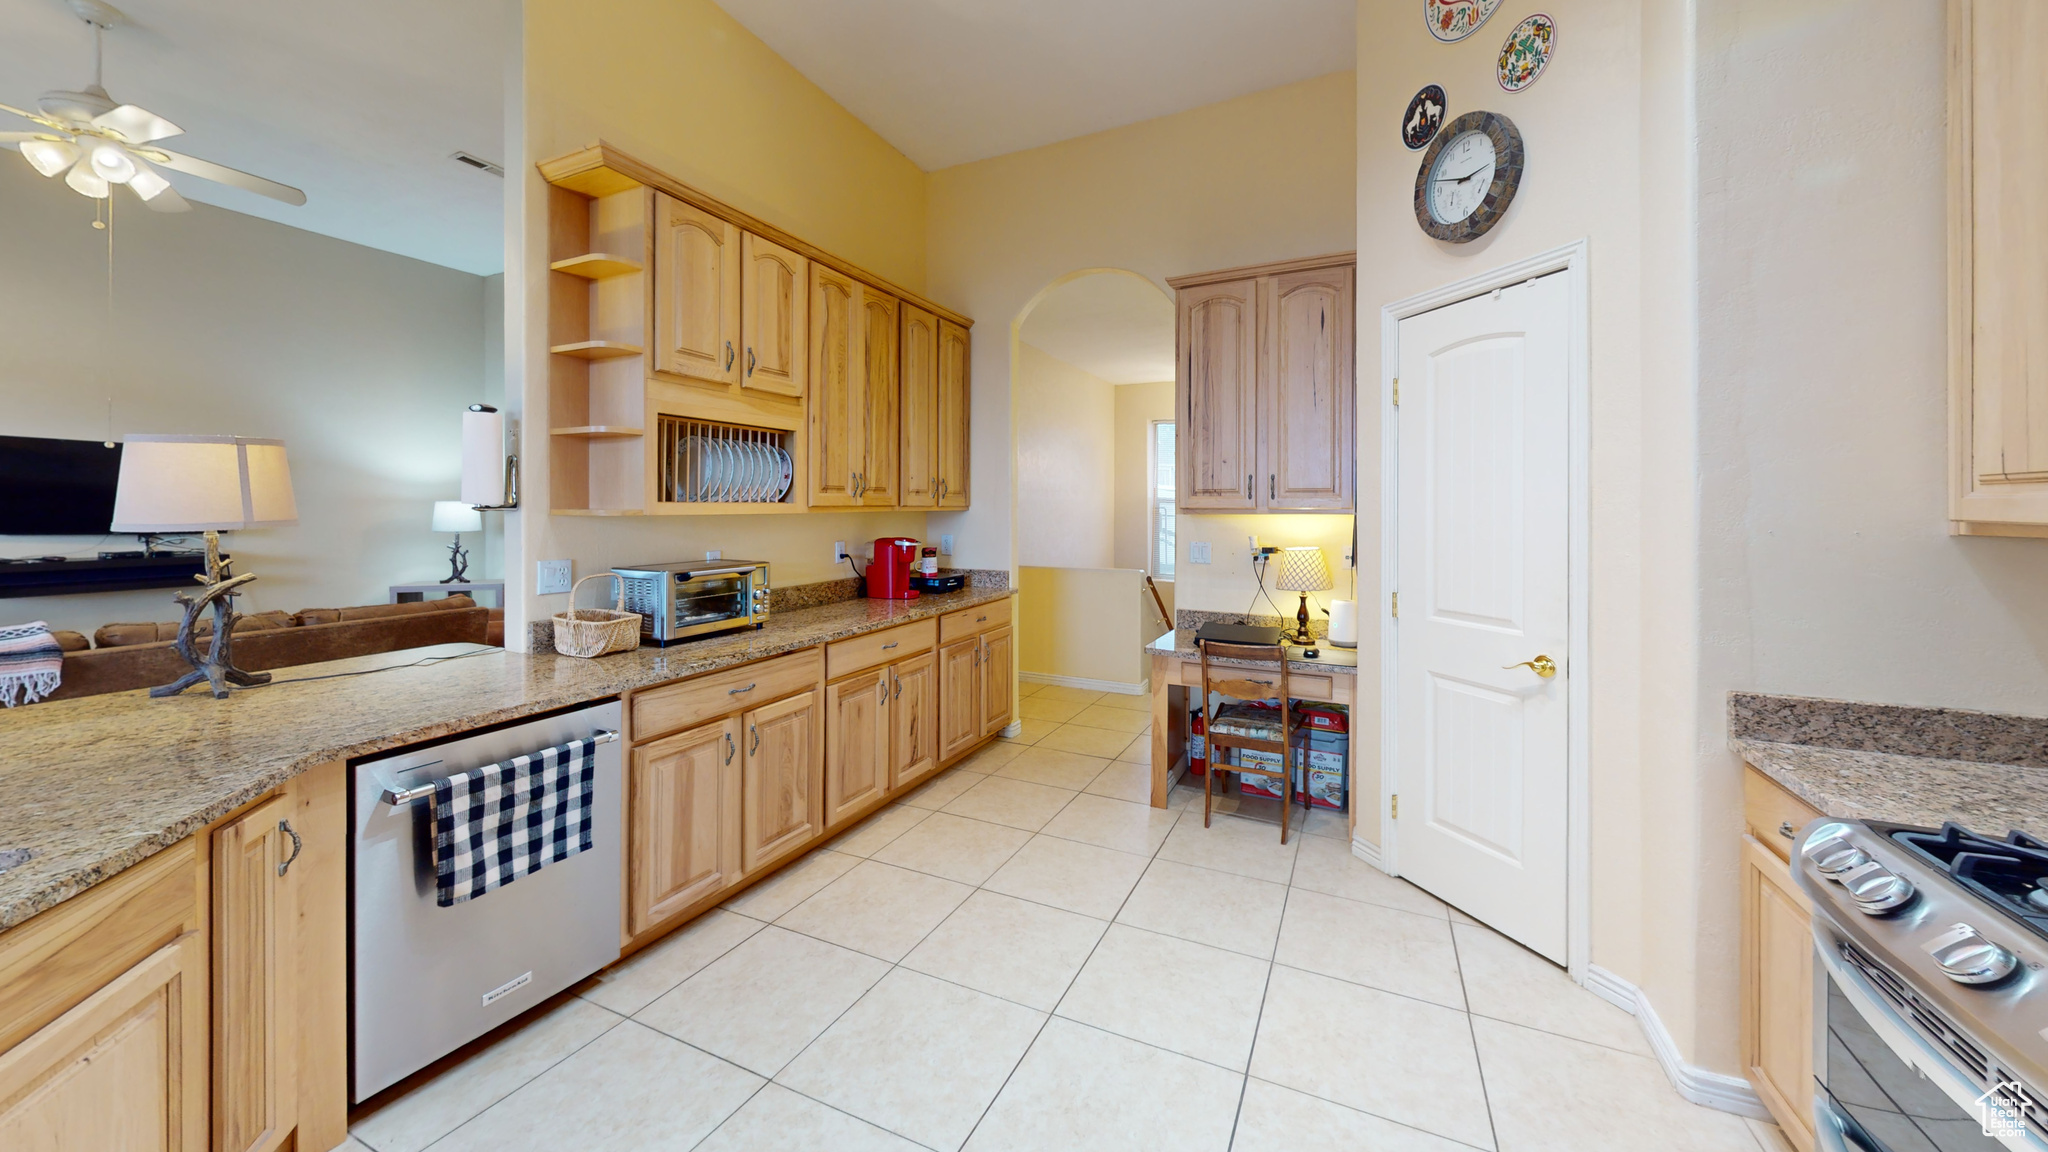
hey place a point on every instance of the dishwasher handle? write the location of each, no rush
(401, 796)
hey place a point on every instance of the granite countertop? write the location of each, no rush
(1181, 642)
(1920, 766)
(93, 785)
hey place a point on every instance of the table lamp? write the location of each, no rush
(456, 517)
(1303, 570)
(210, 484)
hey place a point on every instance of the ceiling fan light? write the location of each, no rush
(49, 157)
(147, 183)
(86, 182)
(113, 164)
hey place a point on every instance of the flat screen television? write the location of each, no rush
(57, 487)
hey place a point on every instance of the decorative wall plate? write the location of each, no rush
(1527, 52)
(1424, 116)
(1453, 20)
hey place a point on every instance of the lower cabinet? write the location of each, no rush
(913, 719)
(959, 696)
(997, 690)
(255, 979)
(685, 798)
(856, 744)
(782, 806)
(125, 1068)
(1777, 965)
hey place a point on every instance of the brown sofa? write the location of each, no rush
(130, 656)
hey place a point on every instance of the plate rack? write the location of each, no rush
(707, 462)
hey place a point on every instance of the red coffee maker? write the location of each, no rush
(889, 572)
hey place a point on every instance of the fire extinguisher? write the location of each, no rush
(1198, 745)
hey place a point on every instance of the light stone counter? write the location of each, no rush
(93, 785)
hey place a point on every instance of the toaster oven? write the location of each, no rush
(678, 601)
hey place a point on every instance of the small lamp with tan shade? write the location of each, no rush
(210, 484)
(1303, 570)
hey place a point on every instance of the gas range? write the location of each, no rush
(1943, 934)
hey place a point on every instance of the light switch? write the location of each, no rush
(553, 577)
(714, 554)
(1198, 552)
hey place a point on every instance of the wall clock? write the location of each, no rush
(1453, 20)
(1526, 53)
(1424, 116)
(1468, 177)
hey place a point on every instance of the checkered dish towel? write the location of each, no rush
(497, 823)
(31, 663)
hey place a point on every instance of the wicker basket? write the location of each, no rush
(591, 632)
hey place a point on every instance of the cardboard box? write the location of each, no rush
(1320, 778)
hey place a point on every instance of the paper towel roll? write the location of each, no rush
(1344, 623)
(483, 456)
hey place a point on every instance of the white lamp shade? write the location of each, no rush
(455, 516)
(201, 483)
(1303, 569)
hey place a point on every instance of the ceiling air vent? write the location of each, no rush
(478, 162)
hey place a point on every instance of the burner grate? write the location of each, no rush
(2008, 874)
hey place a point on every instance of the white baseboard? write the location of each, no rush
(1709, 1089)
(1139, 689)
(1370, 853)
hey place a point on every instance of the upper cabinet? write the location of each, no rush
(918, 413)
(838, 391)
(696, 293)
(1265, 389)
(1998, 267)
(772, 318)
(952, 435)
(878, 319)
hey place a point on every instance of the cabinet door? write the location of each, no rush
(913, 719)
(997, 690)
(1217, 395)
(879, 325)
(1307, 385)
(773, 283)
(954, 403)
(782, 803)
(918, 467)
(685, 806)
(838, 400)
(959, 697)
(255, 985)
(1777, 991)
(126, 1068)
(696, 293)
(856, 745)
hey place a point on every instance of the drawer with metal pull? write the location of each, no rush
(845, 657)
(973, 621)
(674, 707)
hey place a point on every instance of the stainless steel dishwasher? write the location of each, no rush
(424, 980)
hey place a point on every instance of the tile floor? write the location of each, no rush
(1023, 955)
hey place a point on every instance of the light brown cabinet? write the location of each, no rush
(856, 745)
(1998, 292)
(913, 719)
(255, 979)
(774, 335)
(954, 404)
(879, 380)
(685, 804)
(977, 686)
(1777, 960)
(696, 293)
(782, 805)
(1264, 385)
(838, 399)
(918, 412)
(998, 689)
(959, 697)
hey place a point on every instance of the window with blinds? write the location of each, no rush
(1162, 499)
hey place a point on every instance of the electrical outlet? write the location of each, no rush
(1252, 542)
(1198, 552)
(839, 551)
(946, 543)
(713, 554)
(553, 576)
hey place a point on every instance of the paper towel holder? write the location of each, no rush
(511, 475)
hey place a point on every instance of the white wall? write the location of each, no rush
(1066, 454)
(361, 361)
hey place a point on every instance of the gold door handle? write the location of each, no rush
(1543, 666)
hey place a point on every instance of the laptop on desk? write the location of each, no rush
(1237, 633)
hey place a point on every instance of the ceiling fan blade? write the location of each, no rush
(137, 125)
(37, 117)
(222, 174)
(18, 137)
(166, 200)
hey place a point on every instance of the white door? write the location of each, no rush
(1483, 535)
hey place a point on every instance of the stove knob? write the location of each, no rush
(1876, 889)
(1966, 957)
(1836, 857)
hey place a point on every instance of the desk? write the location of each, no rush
(413, 593)
(1176, 667)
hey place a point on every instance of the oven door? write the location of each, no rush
(1884, 1087)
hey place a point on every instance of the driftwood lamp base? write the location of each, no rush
(216, 667)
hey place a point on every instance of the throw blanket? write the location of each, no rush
(497, 823)
(31, 663)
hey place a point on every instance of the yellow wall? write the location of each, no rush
(1137, 406)
(1066, 455)
(1084, 623)
(683, 86)
(1262, 177)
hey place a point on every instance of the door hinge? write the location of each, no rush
(1397, 391)
(1394, 806)
(1395, 609)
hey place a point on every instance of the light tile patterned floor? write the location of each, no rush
(1023, 955)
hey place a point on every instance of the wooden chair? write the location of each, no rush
(1275, 736)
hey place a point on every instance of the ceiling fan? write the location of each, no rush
(98, 143)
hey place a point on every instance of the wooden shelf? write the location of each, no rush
(596, 266)
(598, 350)
(599, 432)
